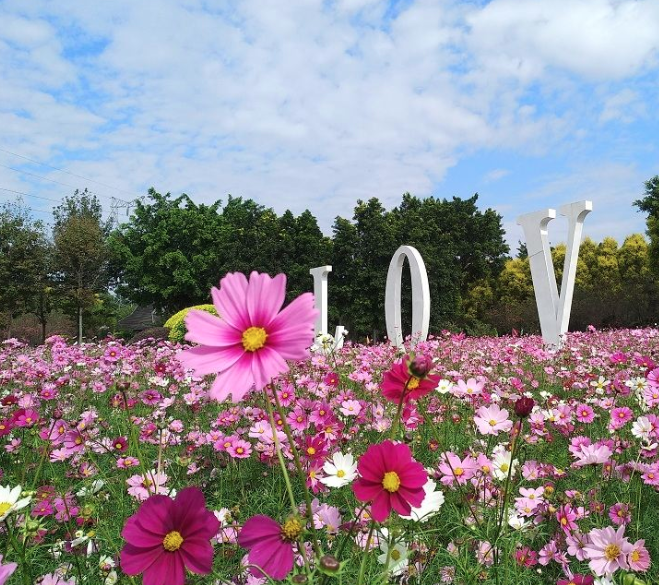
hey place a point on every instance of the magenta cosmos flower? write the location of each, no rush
(270, 545)
(390, 478)
(167, 536)
(249, 344)
(400, 383)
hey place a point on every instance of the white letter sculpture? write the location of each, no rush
(320, 297)
(420, 296)
(553, 310)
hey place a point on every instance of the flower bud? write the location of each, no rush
(420, 366)
(330, 563)
(524, 406)
(300, 579)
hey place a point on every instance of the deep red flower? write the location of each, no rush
(270, 545)
(166, 536)
(390, 478)
(524, 406)
(399, 382)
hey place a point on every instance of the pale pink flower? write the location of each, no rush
(608, 550)
(490, 420)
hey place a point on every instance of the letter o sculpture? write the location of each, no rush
(420, 295)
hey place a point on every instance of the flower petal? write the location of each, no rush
(265, 296)
(236, 381)
(207, 329)
(230, 300)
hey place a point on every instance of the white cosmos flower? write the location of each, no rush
(501, 463)
(431, 504)
(642, 428)
(397, 552)
(444, 386)
(340, 471)
(10, 501)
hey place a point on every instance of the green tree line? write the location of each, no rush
(172, 250)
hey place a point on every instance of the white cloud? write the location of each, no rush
(304, 103)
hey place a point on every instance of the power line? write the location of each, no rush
(52, 180)
(65, 171)
(28, 195)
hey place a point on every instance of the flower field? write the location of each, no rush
(475, 460)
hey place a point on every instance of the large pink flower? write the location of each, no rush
(249, 344)
(390, 478)
(166, 536)
(608, 550)
(270, 545)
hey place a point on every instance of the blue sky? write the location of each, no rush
(317, 103)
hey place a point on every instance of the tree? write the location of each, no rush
(650, 205)
(81, 253)
(23, 262)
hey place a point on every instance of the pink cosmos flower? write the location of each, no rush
(608, 550)
(249, 344)
(492, 419)
(639, 558)
(167, 536)
(6, 571)
(240, 449)
(592, 455)
(455, 469)
(399, 383)
(566, 517)
(471, 387)
(584, 413)
(270, 545)
(390, 478)
(142, 486)
(619, 514)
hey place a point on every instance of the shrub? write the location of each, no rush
(176, 323)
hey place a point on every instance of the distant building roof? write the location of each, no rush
(141, 318)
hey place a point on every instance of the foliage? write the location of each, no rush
(650, 205)
(176, 323)
(24, 265)
(172, 250)
(80, 253)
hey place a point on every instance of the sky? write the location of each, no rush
(314, 104)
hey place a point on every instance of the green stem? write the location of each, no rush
(20, 551)
(282, 463)
(300, 470)
(362, 566)
(399, 410)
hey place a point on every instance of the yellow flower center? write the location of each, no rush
(340, 473)
(493, 423)
(395, 554)
(504, 467)
(611, 552)
(172, 541)
(4, 506)
(391, 481)
(413, 384)
(563, 521)
(635, 556)
(254, 338)
(240, 450)
(118, 446)
(311, 451)
(458, 471)
(291, 529)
